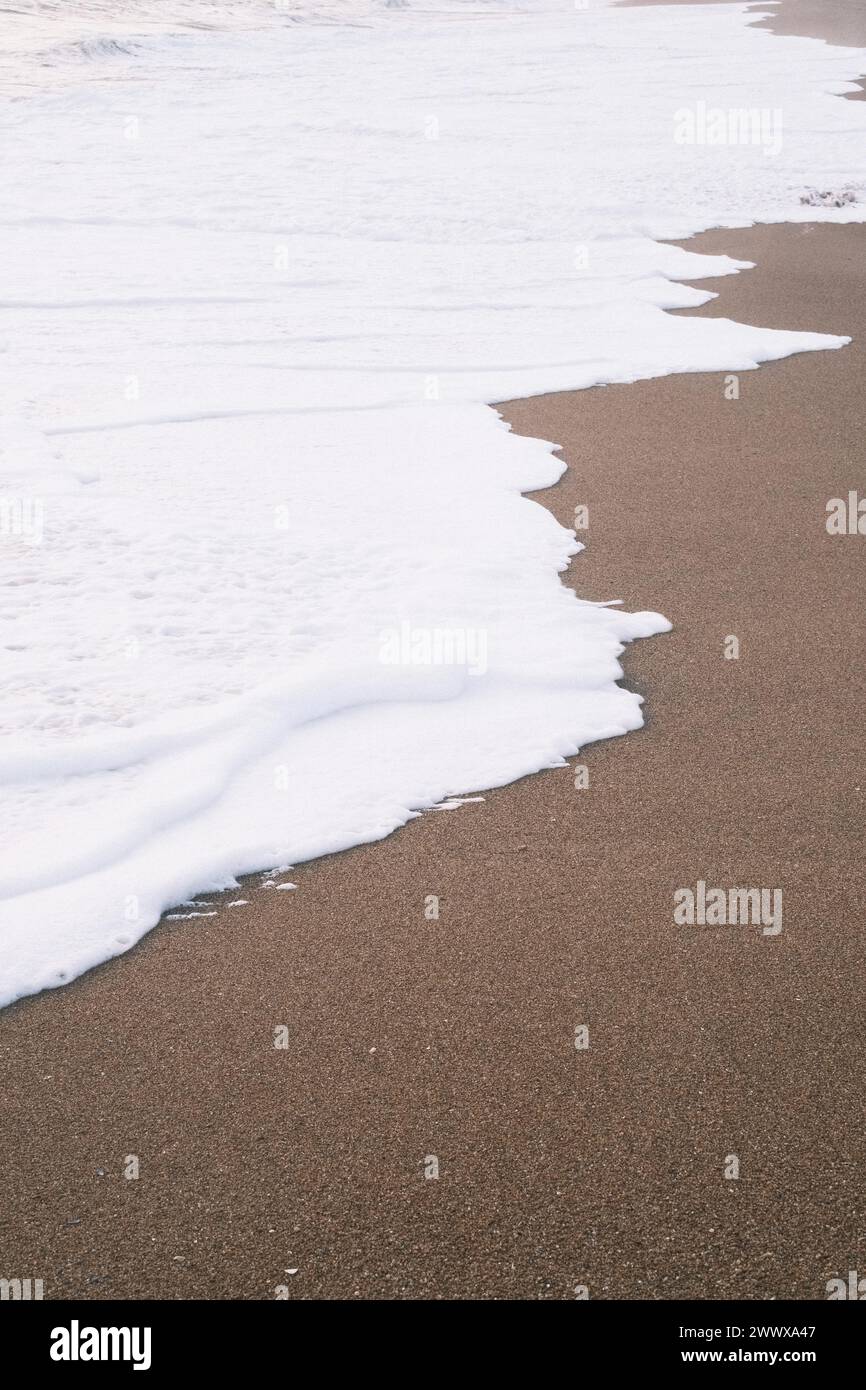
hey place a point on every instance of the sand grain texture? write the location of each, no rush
(455, 1038)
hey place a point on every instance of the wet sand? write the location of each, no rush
(412, 1039)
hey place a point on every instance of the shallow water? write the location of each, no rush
(268, 585)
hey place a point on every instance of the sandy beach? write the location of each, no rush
(431, 1130)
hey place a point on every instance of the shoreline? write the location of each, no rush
(454, 1038)
(838, 22)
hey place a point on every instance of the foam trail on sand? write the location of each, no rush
(269, 585)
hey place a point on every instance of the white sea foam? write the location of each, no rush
(258, 288)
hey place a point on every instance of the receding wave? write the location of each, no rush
(269, 586)
(48, 42)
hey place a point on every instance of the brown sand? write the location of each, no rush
(455, 1038)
